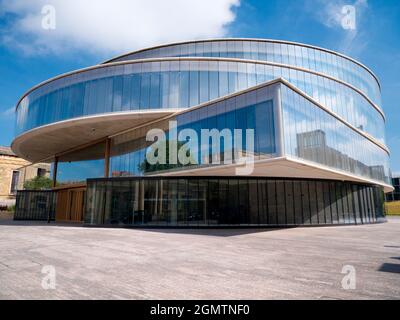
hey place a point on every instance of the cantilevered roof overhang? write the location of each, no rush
(46, 142)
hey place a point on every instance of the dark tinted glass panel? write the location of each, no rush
(313, 202)
(272, 203)
(121, 203)
(243, 195)
(233, 201)
(172, 202)
(297, 202)
(290, 209)
(369, 203)
(320, 202)
(334, 198)
(355, 196)
(280, 202)
(352, 206)
(182, 203)
(36, 205)
(372, 205)
(151, 204)
(253, 210)
(363, 204)
(227, 201)
(108, 214)
(166, 201)
(339, 202)
(327, 202)
(194, 211)
(305, 193)
(223, 201)
(344, 202)
(263, 201)
(213, 208)
(202, 203)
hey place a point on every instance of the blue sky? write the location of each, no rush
(86, 35)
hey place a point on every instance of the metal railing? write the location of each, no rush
(35, 205)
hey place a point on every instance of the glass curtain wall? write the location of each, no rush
(79, 165)
(201, 201)
(312, 134)
(253, 110)
(279, 52)
(181, 84)
(309, 132)
(35, 205)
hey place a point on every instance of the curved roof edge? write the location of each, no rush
(249, 39)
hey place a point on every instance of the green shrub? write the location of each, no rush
(38, 183)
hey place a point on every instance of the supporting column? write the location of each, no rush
(141, 200)
(55, 172)
(107, 158)
(54, 184)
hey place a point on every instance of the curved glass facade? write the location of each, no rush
(181, 84)
(312, 134)
(294, 54)
(128, 151)
(309, 133)
(305, 114)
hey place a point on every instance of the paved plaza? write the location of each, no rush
(108, 263)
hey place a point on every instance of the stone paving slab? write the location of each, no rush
(107, 263)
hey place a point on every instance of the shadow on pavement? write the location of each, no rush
(215, 232)
(205, 231)
(390, 267)
(35, 223)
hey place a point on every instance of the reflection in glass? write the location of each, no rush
(223, 201)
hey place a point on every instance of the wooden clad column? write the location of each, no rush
(107, 158)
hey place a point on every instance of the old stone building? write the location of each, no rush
(14, 171)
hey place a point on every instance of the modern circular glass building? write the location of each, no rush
(310, 122)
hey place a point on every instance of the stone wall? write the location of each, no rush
(10, 163)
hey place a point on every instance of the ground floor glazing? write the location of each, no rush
(226, 201)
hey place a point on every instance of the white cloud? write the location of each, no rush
(8, 112)
(113, 26)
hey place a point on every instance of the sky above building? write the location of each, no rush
(35, 47)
